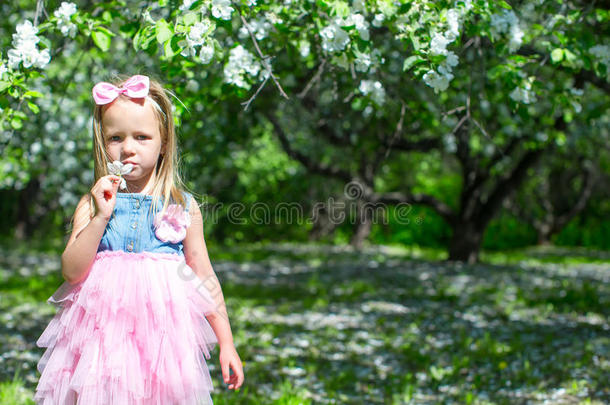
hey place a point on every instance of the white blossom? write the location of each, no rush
(508, 23)
(192, 85)
(452, 59)
(378, 20)
(515, 38)
(259, 26)
(334, 38)
(240, 62)
(195, 37)
(206, 53)
(64, 14)
(25, 49)
(362, 25)
(222, 9)
(373, 89)
(186, 5)
(197, 31)
(438, 44)
(273, 18)
(524, 94)
(438, 81)
(362, 62)
(304, 48)
(119, 169)
(453, 23)
(359, 5)
(3, 70)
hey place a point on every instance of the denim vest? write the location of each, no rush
(131, 228)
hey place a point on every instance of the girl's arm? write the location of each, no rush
(87, 232)
(83, 243)
(196, 256)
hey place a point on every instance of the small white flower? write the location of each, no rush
(25, 49)
(259, 26)
(378, 20)
(63, 15)
(240, 62)
(196, 33)
(524, 94)
(438, 44)
(334, 38)
(362, 62)
(516, 38)
(438, 81)
(453, 23)
(186, 4)
(374, 89)
(206, 53)
(66, 10)
(362, 26)
(119, 169)
(222, 9)
(192, 85)
(304, 48)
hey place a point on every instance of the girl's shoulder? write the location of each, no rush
(187, 198)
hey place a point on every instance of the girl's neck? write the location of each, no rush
(142, 186)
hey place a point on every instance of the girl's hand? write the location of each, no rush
(104, 194)
(229, 359)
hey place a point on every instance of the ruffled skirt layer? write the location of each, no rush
(133, 332)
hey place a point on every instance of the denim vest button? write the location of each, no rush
(130, 246)
(137, 204)
(134, 225)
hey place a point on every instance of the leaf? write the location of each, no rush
(163, 31)
(32, 94)
(33, 107)
(505, 5)
(190, 18)
(16, 123)
(167, 48)
(557, 55)
(101, 39)
(410, 61)
(4, 85)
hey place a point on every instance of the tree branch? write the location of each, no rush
(506, 185)
(440, 207)
(310, 165)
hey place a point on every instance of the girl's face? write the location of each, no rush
(131, 135)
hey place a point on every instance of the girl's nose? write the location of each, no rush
(128, 146)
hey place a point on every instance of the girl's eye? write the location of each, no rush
(142, 137)
(114, 138)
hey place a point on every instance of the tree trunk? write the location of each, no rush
(465, 242)
(363, 225)
(24, 228)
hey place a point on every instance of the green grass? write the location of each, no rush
(386, 325)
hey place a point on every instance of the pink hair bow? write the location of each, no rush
(135, 87)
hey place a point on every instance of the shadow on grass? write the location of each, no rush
(326, 324)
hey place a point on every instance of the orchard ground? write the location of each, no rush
(386, 325)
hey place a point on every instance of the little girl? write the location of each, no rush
(131, 326)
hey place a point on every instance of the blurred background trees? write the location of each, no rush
(459, 125)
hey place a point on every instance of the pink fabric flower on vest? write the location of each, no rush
(171, 226)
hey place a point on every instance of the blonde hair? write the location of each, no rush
(168, 182)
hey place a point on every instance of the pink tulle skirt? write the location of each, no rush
(132, 332)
